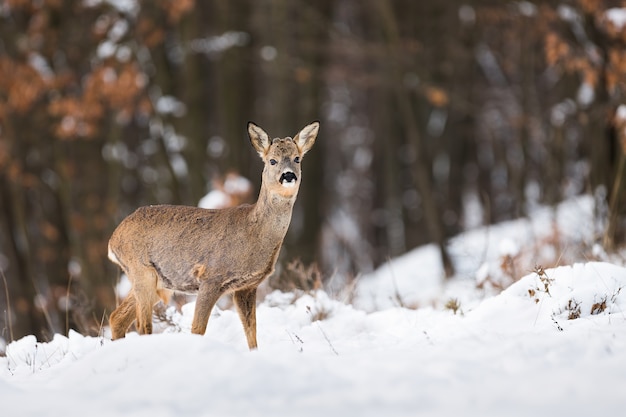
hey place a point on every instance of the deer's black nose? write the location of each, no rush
(288, 176)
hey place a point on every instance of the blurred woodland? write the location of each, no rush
(436, 116)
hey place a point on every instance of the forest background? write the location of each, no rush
(437, 117)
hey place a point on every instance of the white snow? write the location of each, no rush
(467, 14)
(617, 16)
(513, 353)
(129, 7)
(236, 184)
(585, 94)
(170, 105)
(217, 44)
(106, 49)
(215, 199)
(118, 30)
(527, 8)
(39, 63)
(620, 113)
(567, 13)
(228, 192)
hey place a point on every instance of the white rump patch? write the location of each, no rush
(112, 256)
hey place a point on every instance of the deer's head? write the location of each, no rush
(282, 157)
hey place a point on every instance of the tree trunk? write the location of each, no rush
(421, 176)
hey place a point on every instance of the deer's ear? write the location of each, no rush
(259, 139)
(306, 138)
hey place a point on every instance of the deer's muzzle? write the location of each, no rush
(288, 179)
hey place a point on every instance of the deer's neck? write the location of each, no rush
(272, 213)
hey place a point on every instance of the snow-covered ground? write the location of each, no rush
(552, 343)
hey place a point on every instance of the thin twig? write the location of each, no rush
(319, 326)
(300, 349)
(327, 339)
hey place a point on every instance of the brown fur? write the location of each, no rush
(210, 252)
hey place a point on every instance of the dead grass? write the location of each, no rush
(318, 313)
(599, 307)
(298, 276)
(454, 305)
(573, 309)
(551, 251)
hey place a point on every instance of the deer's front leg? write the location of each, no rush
(208, 294)
(245, 300)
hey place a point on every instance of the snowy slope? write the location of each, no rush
(416, 278)
(515, 354)
(553, 343)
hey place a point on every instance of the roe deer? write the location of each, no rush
(210, 252)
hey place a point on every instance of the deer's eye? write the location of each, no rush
(296, 159)
(273, 161)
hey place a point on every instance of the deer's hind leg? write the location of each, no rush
(123, 316)
(146, 296)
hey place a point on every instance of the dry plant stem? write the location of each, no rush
(67, 306)
(540, 273)
(609, 234)
(44, 309)
(396, 291)
(100, 330)
(319, 326)
(9, 315)
(297, 338)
